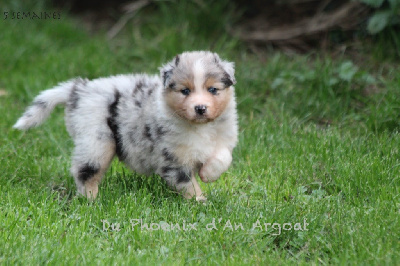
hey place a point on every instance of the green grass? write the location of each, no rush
(318, 141)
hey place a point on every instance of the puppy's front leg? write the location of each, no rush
(182, 180)
(217, 164)
(192, 189)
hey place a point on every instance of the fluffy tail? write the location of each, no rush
(43, 104)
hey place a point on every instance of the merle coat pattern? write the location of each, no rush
(177, 125)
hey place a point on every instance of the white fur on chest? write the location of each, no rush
(194, 145)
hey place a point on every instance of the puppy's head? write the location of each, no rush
(198, 85)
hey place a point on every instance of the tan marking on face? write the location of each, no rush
(177, 101)
(184, 106)
(218, 101)
(198, 82)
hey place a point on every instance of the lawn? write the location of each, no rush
(315, 176)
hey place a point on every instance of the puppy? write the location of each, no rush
(178, 124)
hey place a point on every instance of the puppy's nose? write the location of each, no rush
(200, 109)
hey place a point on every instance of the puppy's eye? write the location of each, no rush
(185, 91)
(213, 90)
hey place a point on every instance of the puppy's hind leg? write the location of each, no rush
(89, 163)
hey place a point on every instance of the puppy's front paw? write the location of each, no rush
(215, 166)
(201, 199)
(209, 173)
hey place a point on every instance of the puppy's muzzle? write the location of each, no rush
(200, 109)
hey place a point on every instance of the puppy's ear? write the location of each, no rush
(229, 68)
(167, 69)
(176, 60)
(166, 73)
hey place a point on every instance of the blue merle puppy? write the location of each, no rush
(178, 124)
